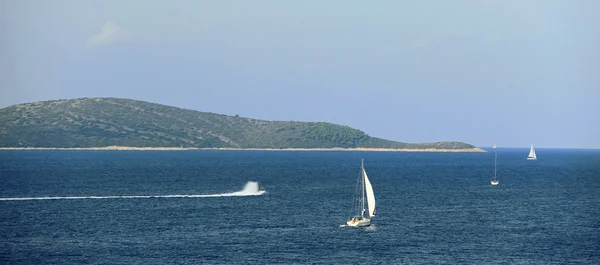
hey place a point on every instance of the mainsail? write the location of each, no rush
(370, 195)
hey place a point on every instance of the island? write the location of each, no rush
(125, 124)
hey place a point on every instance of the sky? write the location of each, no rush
(510, 73)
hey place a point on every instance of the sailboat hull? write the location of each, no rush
(494, 182)
(531, 158)
(361, 223)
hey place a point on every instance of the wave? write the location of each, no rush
(251, 189)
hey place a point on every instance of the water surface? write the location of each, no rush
(432, 208)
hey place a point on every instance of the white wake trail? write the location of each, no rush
(251, 189)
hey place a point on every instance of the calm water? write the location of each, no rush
(432, 208)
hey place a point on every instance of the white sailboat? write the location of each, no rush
(495, 181)
(531, 155)
(367, 192)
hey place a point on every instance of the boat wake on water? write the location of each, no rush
(251, 189)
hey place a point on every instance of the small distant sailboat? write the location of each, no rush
(495, 181)
(367, 192)
(531, 155)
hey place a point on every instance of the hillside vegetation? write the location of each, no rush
(99, 122)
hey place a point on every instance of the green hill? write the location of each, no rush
(100, 122)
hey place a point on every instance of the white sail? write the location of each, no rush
(531, 155)
(370, 195)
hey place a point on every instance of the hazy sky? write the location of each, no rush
(510, 73)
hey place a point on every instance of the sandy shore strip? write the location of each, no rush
(432, 150)
(130, 148)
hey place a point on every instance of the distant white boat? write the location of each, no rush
(495, 181)
(531, 155)
(360, 219)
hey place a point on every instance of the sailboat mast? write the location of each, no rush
(362, 173)
(495, 161)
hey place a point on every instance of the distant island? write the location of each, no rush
(125, 124)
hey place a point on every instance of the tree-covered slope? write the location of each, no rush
(99, 122)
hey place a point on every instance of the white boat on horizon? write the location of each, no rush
(532, 155)
(495, 181)
(367, 199)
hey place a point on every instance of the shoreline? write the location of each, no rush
(130, 148)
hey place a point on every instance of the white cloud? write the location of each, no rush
(110, 33)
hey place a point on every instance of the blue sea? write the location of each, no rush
(432, 208)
